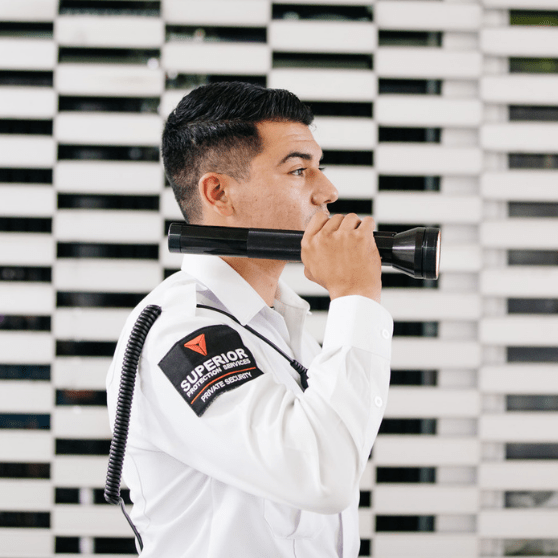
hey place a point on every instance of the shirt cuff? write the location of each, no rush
(359, 322)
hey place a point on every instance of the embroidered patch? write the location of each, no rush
(207, 363)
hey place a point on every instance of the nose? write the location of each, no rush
(324, 190)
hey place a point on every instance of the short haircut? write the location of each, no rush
(213, 129)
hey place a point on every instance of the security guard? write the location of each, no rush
(228, 454)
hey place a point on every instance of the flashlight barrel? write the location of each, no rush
(414, 252)
(266, 243)
(269, 244)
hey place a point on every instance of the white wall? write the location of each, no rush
(488, 327)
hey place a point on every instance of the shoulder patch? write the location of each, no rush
(207, 363)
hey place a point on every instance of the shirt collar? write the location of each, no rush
(287, 298)
(233, 291)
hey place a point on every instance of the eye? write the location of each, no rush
(321, 169)
(298, 172)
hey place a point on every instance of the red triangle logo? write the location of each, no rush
(197, 345)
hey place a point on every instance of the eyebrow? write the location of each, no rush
(298, 155)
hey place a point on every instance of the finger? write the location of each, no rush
(350, 222)
(308, 275)
(334, 223)
(318, 220)
(367, 224)
(366, 228)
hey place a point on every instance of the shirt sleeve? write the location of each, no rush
(352, 371)
(307, 451)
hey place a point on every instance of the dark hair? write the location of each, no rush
(213, 129)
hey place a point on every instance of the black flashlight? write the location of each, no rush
(415, 252)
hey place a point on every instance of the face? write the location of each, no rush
(286, 185)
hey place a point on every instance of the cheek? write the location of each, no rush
(250, 202)
(275, 203)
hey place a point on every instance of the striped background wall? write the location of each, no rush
(430, 112)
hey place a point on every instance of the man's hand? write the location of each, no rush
(340, 254)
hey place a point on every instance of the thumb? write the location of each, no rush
(309, 275)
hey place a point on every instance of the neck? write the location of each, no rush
(261, 275)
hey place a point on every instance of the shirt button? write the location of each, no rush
(385, 334)
(378, 401)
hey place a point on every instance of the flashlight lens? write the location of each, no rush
(431, 253)
(438, 252)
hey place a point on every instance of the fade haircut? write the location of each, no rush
(213, 129)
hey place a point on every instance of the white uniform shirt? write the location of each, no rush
(267, 471)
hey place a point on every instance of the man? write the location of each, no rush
(228, 455)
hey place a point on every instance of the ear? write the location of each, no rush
(214, 191)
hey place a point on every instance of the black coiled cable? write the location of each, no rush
(123, 409)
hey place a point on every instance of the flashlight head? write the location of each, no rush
(416, 252)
